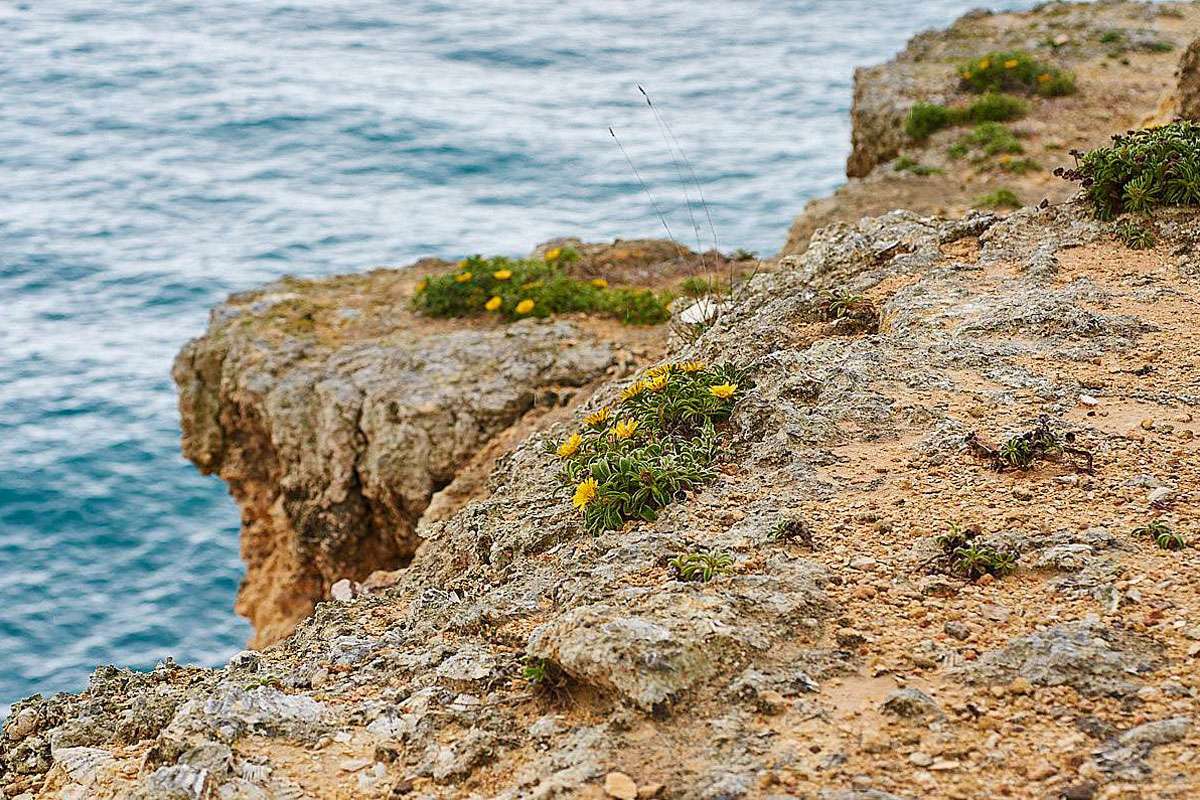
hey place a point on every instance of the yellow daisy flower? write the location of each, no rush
(600, 283)
(568, 448)
(585, 493)
(661, 369)
(597, 418)
(502, 274)
(692, 366)
(1044, 77)
(553, 254)
(723, 391)
(525, 306)
(625, 428)
(633, 390)
(423, 285)
(658, 382)
(463, 277)
(984, 64)
(493, 304)
(1011, 63)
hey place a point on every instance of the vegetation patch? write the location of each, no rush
(658, 441)
(906, 164)
(1162, 535)
(961, 554)
(1025, 449)
(1141, 170)
(1019, 166)
(1135, 235)
(518, 288)
(850, 312)
(925, 119)
(1001, 198)
(987, 139)
(701, 566)
(1014, 71)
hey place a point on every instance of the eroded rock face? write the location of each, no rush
(1188, 86)
(838, 663)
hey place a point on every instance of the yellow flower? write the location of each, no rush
(1011, 63)
(966, 74)
(661, 369)
(723, 391)
(585, 493)
(568, 448)
(493, 304)
(625, 428)
(463, 277)
(553, 254)
(600, 283)
(423, 285)
(1044, 77)
(984, 64)
(692, 366)
(658, 382)
(597, 418)
(633, 390)
(502, 274)
(525, 306)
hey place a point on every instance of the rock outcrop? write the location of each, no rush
(336, 415)
(1123, 53)
(835, 659)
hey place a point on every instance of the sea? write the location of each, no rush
(157, 155)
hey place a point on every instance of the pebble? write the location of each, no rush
(1162, 494)
(649, 790)
(342, 591)
(1041, 771)
(957, 630)
(621, 786)
(875, 741)
(919, 759)
(1088, 400)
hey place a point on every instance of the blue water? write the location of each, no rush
(155, 156)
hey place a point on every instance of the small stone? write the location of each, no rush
(864, 563)
(649, 790)
(1021, 493)
(1080, 791)
(1161, 495)
(1041, 771)
(1148, 424)
(863, 592)
(1088, 400)
(875, 741)
(621, 786)
(354, 764)
(1020, 685)
(849, 638)
(342, 591)
(911, 703)
(957, 630)
(919, 759)
(944, 764)
(1061, 39)
(994, 613)
(771, 701)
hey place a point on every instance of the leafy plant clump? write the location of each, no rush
(1141, 170)
(1001, 198)
(986, 139)
(1014, 71)
(701, 566)
(658, 441)
(906, 164)
(925, 119)
(848, 310)
(1037, 444)
(962, 555)
(1135, 235)
(1163, 536)
(518, 288)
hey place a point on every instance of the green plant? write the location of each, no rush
(1163, 536)
(906, 164)
(986, 139)
(659, 440)
(792, 529)
(848, 310)
(1038, 443)
(701, 566)
(1001, 198)
(697, 287)
(1014, 71)
(962, 555)
(1135, 235)
(518, 288)
(994, 107)
(1019, 166)
(742, 254)
(1141, 170)
(925, 119)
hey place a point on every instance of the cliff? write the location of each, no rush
(1024, 385)
(1124, 57)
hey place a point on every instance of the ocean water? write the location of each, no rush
(156, 156)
